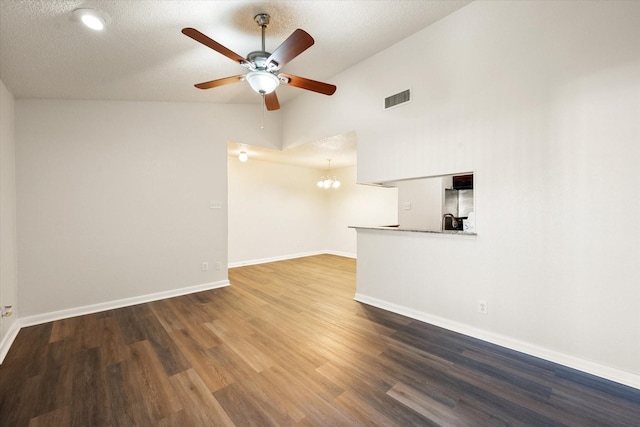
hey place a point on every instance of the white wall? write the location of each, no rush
(276, 211)
(8, 245)
(424, 198)
(356, 204)
(114, 198)
(541, 100)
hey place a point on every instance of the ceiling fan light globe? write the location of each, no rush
(336, 184)
(262, 82)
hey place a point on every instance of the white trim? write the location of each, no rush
(609, 373)
(342, 254)
(110, 305)
(274, 259)
(8, 339)
(37, 319)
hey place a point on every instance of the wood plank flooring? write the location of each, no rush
(287, 345)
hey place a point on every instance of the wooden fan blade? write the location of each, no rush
(201, 38)
(219, 82)
(271, 100)
(298, 42)
(308, 84)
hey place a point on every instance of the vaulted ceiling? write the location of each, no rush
(143, 56)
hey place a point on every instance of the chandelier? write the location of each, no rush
(328, 181)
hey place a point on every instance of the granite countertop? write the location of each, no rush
(414, 230)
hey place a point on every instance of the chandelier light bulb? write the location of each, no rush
(328, 181)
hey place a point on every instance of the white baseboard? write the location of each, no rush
(95, 308)
(342, 254)
(8, 339)
(606, 372)
(110, 305)
(286, 257)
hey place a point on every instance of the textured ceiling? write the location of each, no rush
(143, 56)
(340, 149)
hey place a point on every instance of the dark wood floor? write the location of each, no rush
(286, 345)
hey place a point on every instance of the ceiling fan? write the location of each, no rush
(263, 76)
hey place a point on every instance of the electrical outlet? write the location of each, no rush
(205, 266)
(406, 206)
(483, 307)
(218, 265)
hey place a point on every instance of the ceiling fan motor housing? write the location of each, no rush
(259, 59)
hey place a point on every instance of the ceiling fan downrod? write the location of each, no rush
(263, 20)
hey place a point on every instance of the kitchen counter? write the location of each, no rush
(412, 230)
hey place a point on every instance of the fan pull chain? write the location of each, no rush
(263, 106)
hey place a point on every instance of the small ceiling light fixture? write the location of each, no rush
(328, 181)
(243, 156)
(262, 81)
(91, 18)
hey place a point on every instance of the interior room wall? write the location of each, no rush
(275, 212)
(540, 100)
(114, 199)
(356, 204)
(8, 242)
(420, 203)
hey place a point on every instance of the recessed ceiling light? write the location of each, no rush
(91, 18)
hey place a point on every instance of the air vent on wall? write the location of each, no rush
(397, 99)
